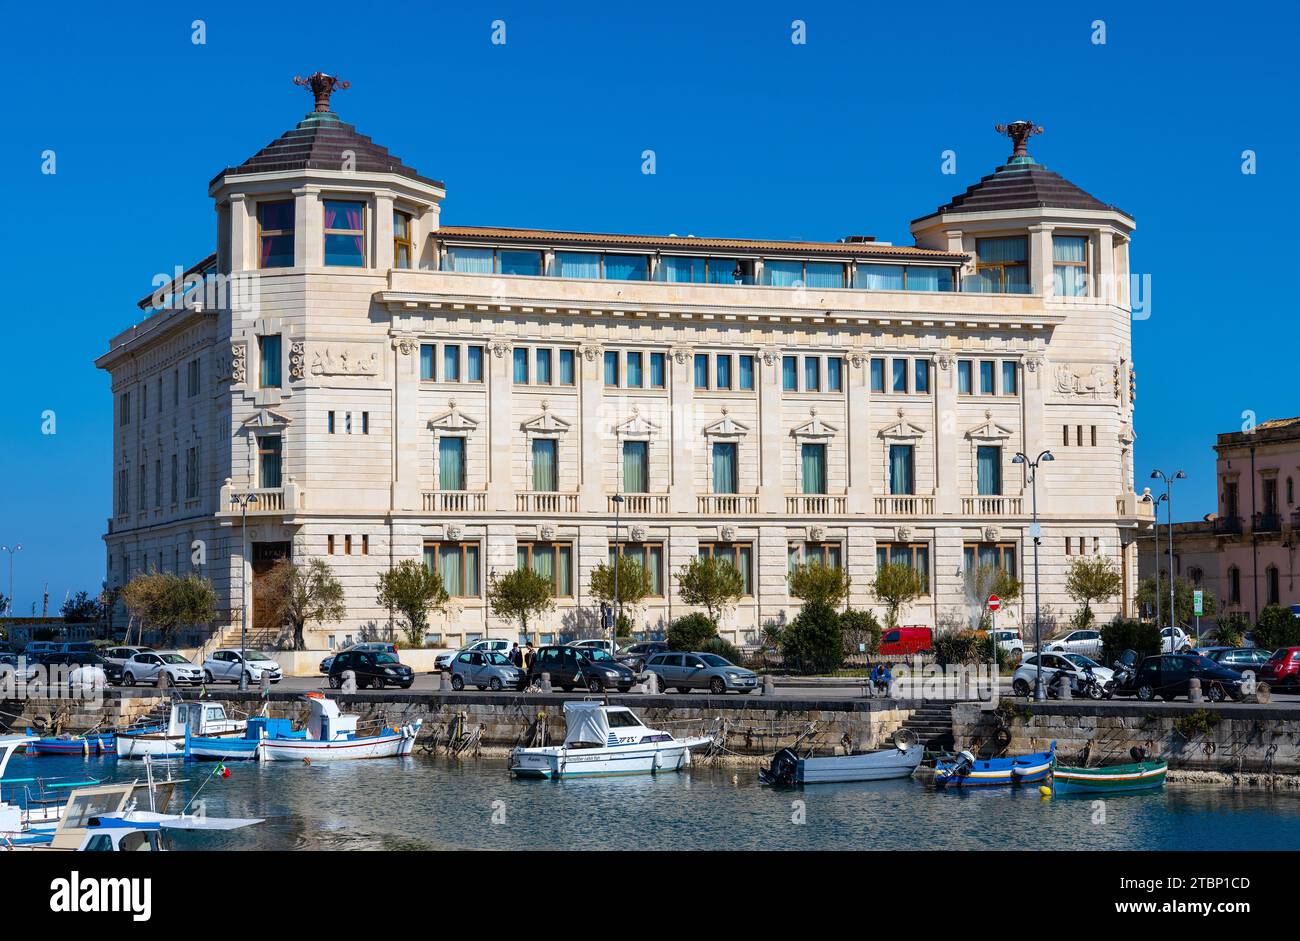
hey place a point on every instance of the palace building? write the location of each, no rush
(369, 384)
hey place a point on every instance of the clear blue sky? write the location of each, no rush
(754, 136)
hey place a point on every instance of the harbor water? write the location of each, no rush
(429, 803)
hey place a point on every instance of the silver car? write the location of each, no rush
(145, 668)
(687, 671)
(486, 670)
(226, 665)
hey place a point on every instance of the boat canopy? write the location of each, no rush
(586, 723)
(10, 744)
(326, 723)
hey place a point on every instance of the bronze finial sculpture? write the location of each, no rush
(1019, 132)
(322, 86)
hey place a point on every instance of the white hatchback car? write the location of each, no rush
(1022, 681)
(1086, 642)
(1174, 640)
(145, 668)
(226, 665)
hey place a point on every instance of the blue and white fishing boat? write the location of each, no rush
(965, 771)
(605, 740)
(247, 747)
(333, 736)
(196, 719)
(83, 745)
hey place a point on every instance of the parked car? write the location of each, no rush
(369, 646)
(226, 665)
(687, 671)
(1075, 664)
(591, 668)
(1010, 641)
(634, 656)
(1283, 668)
(1175, 640)
(605, 645)
(374, 669)
(22, 669)
(486, 670)
(39, 648)
(119, 655)
(1169, 676)
(79, 646)
(486, 645)
(904, 641)
(146, 667)
(1085, 642)
(1238, 658)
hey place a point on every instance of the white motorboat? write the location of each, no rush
(788, 769)
(11, 815)
(332, 736)
(200, 719)
(605, 740)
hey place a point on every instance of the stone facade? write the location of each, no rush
(324, 390)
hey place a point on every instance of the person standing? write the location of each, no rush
(529, 656)
(516, 655)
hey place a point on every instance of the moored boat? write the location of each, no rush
(965, 771)
(332, 736)
(605, 740)
(84, 745)
(195, 719)
(1110, 779)
(247, 747)
(901, 761)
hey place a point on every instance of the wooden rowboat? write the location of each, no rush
(1110, 779)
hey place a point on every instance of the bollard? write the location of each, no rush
(651, 685)
(1194, 690)
(1064, 687)
(769, 685)
(437, 681)
(164, 679)
(266, 684)
(349, 684)
(546, 682)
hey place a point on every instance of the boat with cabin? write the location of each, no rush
(196, 719)
(43, 798)
(247, 747)
(331, 735)
(882, 764)
(605, 740)
(965, 771)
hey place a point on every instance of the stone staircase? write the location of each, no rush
(932, 722)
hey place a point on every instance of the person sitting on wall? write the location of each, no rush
(884, 676)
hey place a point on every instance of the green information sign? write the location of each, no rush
(1198, 607)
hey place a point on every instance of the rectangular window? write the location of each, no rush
(701, 370)
(474, 364)
(365, 544)
(144, 402)
(428, 361)
(176, 492)
(1065, 435)
(722, 372)
(915, 556)
(739, 554)
(457, 563)
(329, 544)
(680, 269)
(827, 554)
(812, 374)
(545, 469)
(988, 460)
(577, 265)
(636, 467)
(568, 373)
(451, 463)
(658, 371)
(1069, 265)
(550, 560)
(746, 372)
(142, 481)
(345, 233)
(964, 386)
(450, 362)
(1002, 265)
(1010, 383)
(329, 422)
(812, 470)
(877, 375)
(987, 377)
(467, 260)
(123, 492)
(1094, 435)
(269, 372)
(901, 479)
(124, 409)
(726, 476)
(347, 545)
(790, 373)
(192, 378)
(834, 374)
(402, 250)
(991, 554)
(347, 423)
(648, 555)
(611, 368)
(1078, 436)
(191, 473)
(627, 267)
(268, 461)
(635, 375)
(521, 365)
(519, 262)
(157, 484)
(542, 365)
(899, 383)
(275, 234)
(879, 278)
(921, 372)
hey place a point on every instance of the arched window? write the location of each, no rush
(1195, 574)
(1234, 585)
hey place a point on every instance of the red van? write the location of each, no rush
(904, 641)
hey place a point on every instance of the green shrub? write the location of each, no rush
(961, 647)
(690, 632)
(723, 649)
(1277, 627)
(860, 627)
(1231, 630)
(1120, 635)
(814, 641)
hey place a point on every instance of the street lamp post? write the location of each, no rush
(243, 502)
(1034, 531)
(618, 560)
(9, 608)
(1169, 510)
(1156, 553)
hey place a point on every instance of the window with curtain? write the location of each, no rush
(828, 554)
(964, 372)
(834, 374)
(993, 554)
(611, 368)
(824, 274)
(1010, 384)
(680, 269)
(658, 371)
(542, 365)
(427, 353)
(813, 468)
(901, 480)
(577, 265)
(726, 472)
(521, 365)
(746, 372)
(553, 561)
(519, 262)
(1002, 265)
(275, 234)
(988, 470)
(545, 466)
(783, 274)
(269, 371)
(268, 461)
(701, 370)
(474, 364)
(879, 278)
(636, 467)
(402, 248)
(722, 372)
(627, 267)
(1234, 585)
(915, 556)
(450, 362)
(739, 554)
(345, 234)
(635, 374)
(568, 372)
(790, 373)
(899, 383)
(457, 563)
(648, 555)
(987, 378)
(469, 260)
(812, 374)
(451, 463)
(921, 381)
(1069, 265)
(929, 279)
(877, 375)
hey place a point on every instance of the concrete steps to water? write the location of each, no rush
(932, 723)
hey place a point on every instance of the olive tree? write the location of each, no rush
(521, 596)
(896, 585)
(813, 583)
(633, 584)
(414, 590)
(712, 584)
(1091, 578)
(295, 594)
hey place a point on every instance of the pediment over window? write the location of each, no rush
(266, 418)
(902, 430)
(453, 421)
(546, 423)
(636, 427)
(989, 430)
(726, 427)
(815, 428)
